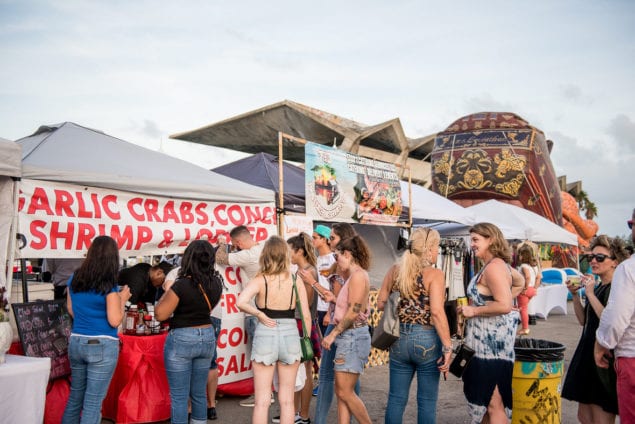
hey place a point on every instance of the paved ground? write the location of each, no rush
(562, 329)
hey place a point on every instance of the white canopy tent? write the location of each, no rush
(150, 193)
(515, 223)
(70, 153)
(534, 227)
(428, 206)
(10, 173)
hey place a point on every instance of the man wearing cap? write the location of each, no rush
(325, 261)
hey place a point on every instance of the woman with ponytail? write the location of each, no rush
(424, 346)
(303, 256)
(189, 347)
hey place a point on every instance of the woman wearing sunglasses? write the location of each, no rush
(594, 389)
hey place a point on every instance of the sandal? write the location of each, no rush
(524, 332)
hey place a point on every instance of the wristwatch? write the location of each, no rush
(446, 349)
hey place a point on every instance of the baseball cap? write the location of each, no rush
(323, 230)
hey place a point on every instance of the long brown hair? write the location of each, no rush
(358, 248)
(303, 241)
(99, 270)
(275, 258)
(498, 245)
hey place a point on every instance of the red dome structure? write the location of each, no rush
(496, 155)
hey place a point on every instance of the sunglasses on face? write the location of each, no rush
(599, 257)
(630, 224)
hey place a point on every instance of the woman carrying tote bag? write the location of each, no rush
(424, 346)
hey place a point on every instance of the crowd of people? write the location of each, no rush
(322, 280)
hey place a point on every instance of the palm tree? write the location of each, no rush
(591, 211)
(585, 205)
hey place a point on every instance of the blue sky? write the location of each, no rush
(141, 70)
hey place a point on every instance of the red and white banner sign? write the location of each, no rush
(59, 220)
(233, 346)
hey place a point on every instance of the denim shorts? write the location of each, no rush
(216, 323)
(353, 348)
(280, 343)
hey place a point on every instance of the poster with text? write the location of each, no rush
(344, 187)
(59, 220)
(233, 346)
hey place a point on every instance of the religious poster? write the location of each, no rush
(344, 187)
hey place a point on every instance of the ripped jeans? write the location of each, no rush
(416, 351)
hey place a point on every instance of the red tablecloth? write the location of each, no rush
(139, 390)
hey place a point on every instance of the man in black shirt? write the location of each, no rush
(144, 281)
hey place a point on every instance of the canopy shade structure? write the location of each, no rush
(71, 153)
(10, 158)
(528, 225)
(262, 170)
(515, 223)
(257, 131)
(10, 171)
(428, 206)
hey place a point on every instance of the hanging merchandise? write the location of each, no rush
(452, 252)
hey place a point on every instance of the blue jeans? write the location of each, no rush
(93, 361)
(327, 382)
(187, 355)
(417, 350)
(217, 325)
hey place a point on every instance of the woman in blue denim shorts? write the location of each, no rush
(424, 347)
(97, 306)
(350, 334)
(276, 341)
(189, 347)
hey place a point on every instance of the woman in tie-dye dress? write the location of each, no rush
(490, 329)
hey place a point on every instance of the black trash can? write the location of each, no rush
(536, 381)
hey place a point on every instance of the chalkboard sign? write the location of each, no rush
(44, 328)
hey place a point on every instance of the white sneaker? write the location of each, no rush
(297, 418)
(251, 401)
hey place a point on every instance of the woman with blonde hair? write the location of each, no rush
(490, 328)
(424, 346)
(594, 389)
(276, 341)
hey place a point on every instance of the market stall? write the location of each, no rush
(79, 182)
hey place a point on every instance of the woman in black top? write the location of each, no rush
(189, 346)
(276, 341)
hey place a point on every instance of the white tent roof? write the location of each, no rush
(10, 158)
(515, 223)
(530, 225)
(429, 206)
(68, 152)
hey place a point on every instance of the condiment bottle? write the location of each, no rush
(132, 316)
